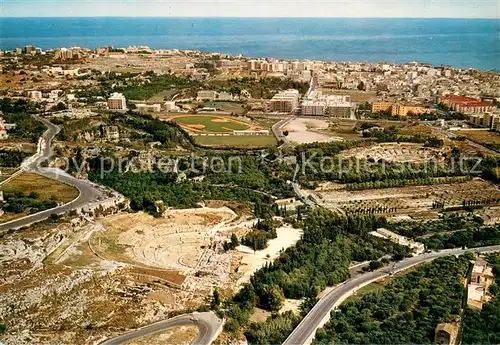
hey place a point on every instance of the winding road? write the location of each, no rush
(320, 314)
(89, 192)
(209, 326)
(278, 133)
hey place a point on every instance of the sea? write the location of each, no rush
(461, 43)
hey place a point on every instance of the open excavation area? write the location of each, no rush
(303, 131)
(397, 153)
(80, 282)
(176, 241)
(414, 201)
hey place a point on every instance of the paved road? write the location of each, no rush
(278, 133)
(305, 331)
(208, 325)
(89, 192)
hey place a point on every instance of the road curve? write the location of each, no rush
(280, 136)
(208, 325)
(89, 192)
(320, 313)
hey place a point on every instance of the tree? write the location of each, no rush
(215, 299)
(59, 106)
(234, 241)
(272, 297)
(233, 244)
(374, 265)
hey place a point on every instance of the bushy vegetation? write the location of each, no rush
(450, 222)
(477, 237)
(261, 88)
(230, 245)
(169, 134)
(406, 311)
(12, 159)
(141, 90)
(274, 330)
(18, 202)
(392, 135)
(322, 257)
(19, 112)
(402, 183)
(483, 327)
(252, 183)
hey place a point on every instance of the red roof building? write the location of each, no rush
(465, 104)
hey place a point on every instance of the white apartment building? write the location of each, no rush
(170, 106)
(117, 102)
(338, 106)
(285, 101)
(313, 108)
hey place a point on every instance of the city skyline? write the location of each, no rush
(252, 8)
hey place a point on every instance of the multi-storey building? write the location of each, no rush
(466, 104)
(381, 106)
(397, 109)
(285, 101)
(333, 105)
(404, 110)
(313, 108)
(117, 102)
(491, 120)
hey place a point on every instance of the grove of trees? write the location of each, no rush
(406, 311)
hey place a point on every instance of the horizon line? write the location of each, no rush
(243, 17)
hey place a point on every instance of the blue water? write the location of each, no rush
(457, 42)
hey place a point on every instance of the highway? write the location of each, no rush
(89, 192)
(320, 313)
(209, 326)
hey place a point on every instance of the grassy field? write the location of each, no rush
(46, 188)
(483, 137)
(373, 287)
(162, 96)
(6, 172)
(264, 122)
(212, 124)
(238, 141)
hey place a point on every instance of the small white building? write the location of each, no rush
(4, 127)
(207, 95)
(170, 106)
(34, 95)
(148, 108)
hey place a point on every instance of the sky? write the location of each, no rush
(252, 8)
